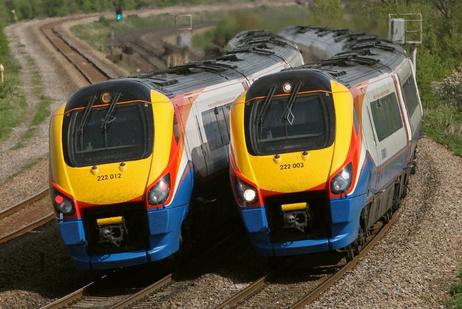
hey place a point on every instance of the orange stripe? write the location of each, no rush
(102, 105)
(287, 94)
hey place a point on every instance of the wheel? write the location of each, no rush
(414, 163)
(349, 253)
(359, 243)
(387, 216)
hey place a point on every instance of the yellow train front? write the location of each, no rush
(294, 153)
(119, 185)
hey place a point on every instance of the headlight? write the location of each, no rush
(341, 182)
(63, 204)
(159, 193)
(246, 192)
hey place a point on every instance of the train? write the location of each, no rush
(320, 153)
(125, 154)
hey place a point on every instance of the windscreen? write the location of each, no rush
(108, 134)
(278, 126)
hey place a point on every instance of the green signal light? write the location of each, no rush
(119, 15)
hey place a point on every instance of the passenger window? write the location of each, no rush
(176, 129)
(410, 95)
(386, 116)
(216, 122)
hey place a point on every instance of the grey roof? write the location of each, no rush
(350, 57)
(251, 52)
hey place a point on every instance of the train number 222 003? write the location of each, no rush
(290, 166)
(109, 177)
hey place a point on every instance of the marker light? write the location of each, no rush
(341, 182)
(59, 199)
(159, 193)
(106, 98)
(287, 87)
(63, 205)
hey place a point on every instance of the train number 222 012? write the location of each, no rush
(290, 166)
(108, 177)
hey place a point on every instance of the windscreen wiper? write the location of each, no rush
(109, 117)
(288, 115)
(86, 114)
(265, 105)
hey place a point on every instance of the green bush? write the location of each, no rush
(449, 91)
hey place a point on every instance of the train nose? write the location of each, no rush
(112, 183)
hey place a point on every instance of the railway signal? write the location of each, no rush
(119, 14)
(406, 29)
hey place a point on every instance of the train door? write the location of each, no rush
(388, 130)
(212, 115)
(194, 138)
(410, 96)
(370, 140)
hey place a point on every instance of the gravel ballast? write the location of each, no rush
(416, 262)
(28, 47)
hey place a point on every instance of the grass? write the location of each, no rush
(26, 9)
(269, 18)
(444, 125)
(456, 294)
(42, 109)
(441, 123)
(12, 99)
(98, 34)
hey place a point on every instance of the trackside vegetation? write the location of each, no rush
(27, 9)
(12, 101)
(437, 58)
(456, 293)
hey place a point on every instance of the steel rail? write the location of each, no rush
(128, 302)
(21, 205)
(25, 229)
(92, 73)
(118, 301)
(329, 281)
(104, 74)
(87, 68)
(69, 298)
(324, 283)
(250, 290)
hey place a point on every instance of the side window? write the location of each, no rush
(216, 126)
(223, 122)
(176, 129)
(386, 115)
(410, 95)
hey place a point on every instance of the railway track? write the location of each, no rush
(110, 292)
(321, 285)
(113, 292)
(125, 288)
(83, 64)
(9, 213)
(92, 73)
